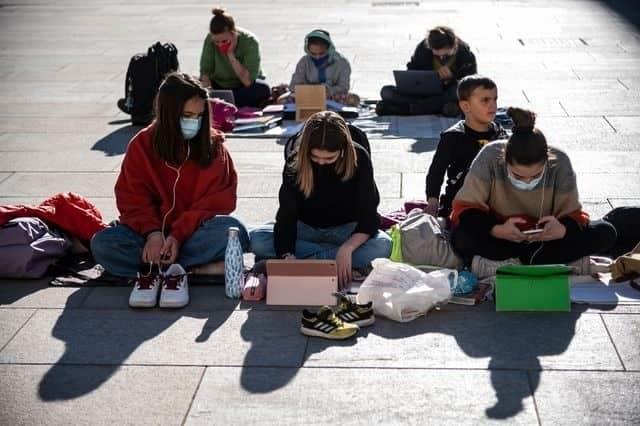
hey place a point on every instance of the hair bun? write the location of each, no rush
(217, 11)
(523, 119)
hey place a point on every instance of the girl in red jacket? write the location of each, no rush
(176, 187)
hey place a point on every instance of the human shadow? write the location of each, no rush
(101, 339)
(115, 143)
(626, 9)
(424, 145)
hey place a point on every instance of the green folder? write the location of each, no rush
(533, 288)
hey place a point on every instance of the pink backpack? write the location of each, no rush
(222, 114)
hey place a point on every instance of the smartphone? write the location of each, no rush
(533, 231)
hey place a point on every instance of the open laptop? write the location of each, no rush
(301, 282)
(416, 82)
(225, 95)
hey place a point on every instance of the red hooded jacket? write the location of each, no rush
(67, 211)
(144, 190)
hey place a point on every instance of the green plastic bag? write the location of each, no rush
(533, 288)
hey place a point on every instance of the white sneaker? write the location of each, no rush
(175, 288)
(145, 291)
(484, 268)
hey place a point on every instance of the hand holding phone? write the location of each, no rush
(533, 231)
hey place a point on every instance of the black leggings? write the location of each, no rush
(597, 237)
(418, 104)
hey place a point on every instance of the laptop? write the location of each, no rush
(301, 282)
(225, 95)
(417, 82)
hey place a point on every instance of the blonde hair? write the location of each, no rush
(326, 131)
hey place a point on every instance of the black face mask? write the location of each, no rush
(323, 169)
(444, 59)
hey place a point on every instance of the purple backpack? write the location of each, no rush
(28, 247)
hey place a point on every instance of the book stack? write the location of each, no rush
(256, 124)
(475, 297)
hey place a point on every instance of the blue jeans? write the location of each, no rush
(322, 243)
(119, 248)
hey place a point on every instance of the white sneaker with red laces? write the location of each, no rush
(175, 288)
(145, 291)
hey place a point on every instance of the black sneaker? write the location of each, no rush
(325, 324)
(350, 312)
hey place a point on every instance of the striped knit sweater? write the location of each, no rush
(487, 188)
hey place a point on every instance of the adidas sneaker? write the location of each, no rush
(325, 324)
(353, 313)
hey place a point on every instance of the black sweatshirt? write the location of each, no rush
(457, 148)
(465, 63)
(331, 203)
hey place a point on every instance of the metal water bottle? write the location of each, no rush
(233, 265)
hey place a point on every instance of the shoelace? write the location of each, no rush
(329, 317)
(172, 282)
(145, 282)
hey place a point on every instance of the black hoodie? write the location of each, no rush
(457, 148)
(465, 63)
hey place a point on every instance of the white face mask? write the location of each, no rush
(190, 126)
(525, 186)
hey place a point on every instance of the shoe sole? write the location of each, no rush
(316, 333)
(363, 323)
(172, 305)
(150, 304)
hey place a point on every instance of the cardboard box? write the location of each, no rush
(533, 288)
(301, 282)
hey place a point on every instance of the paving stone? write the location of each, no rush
(623, 202)
(88, 161)
(625, 125)
(569, 397)
(461, 340)
(63, 142)
(624, 332)
(283, 396)
(12, 320)
(39, 294)
(71, 394)
(152, 337)
(46, 184)
(68, 109)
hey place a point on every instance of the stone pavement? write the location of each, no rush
(80, 355)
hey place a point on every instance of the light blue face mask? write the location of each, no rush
(526, 186)
(190, 126)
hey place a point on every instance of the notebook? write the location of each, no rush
(301, 282)
(417, 82)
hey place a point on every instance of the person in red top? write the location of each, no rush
(176, 188)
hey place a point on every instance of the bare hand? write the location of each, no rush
(509, 231)
(151, 250)
(552, 230)
(233, 44)
(432, 207)
(206, 82)
(445, 73)
(343, 261)
(169, 251)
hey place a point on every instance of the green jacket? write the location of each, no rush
(216, 66)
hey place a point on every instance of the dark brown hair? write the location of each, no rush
(327, 131)
(168, 142)
(470, 83)
(441, 37)
(527, 145)
(221, 21)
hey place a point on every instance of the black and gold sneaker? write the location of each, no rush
(325, 324)
(350, 312)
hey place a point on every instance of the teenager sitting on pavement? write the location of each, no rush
(328, 201)
(322, 64)
(441, 51)
(177, 184)
(520, 185)
(460, 144)
(230, 60)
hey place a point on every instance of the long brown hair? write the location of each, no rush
(168, 142)
(326, 131)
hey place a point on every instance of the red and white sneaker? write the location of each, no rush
(175, 288)
(145, 290)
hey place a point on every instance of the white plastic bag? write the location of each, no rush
(403, 293)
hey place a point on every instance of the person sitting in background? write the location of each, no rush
(460, 144)
(230, 60)
(519, 204)
(322, 64)
(442, 51)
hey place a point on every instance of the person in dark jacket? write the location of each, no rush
(328, 202)
(440, 51)
(460, 144)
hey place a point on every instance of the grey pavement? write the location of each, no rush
(81, 356)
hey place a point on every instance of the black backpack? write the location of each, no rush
(626, 220)
(144, 75)
(357, 135)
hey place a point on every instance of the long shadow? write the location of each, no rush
(103, 343)
(115, 143)
(628, 10)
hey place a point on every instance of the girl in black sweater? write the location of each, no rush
(328, 202)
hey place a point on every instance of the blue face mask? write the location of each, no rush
(190, 126)
(525, 186)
